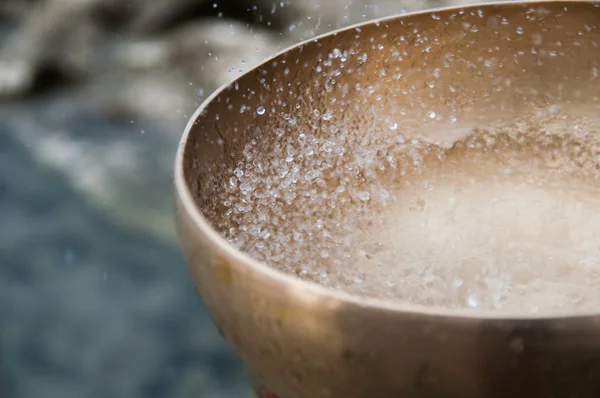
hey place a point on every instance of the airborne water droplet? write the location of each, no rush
(260, 110)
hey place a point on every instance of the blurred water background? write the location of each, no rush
(95, 300)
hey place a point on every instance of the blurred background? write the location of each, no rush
(95, 300)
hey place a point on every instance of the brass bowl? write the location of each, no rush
(491, 63)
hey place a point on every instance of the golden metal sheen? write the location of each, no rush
(301, 340)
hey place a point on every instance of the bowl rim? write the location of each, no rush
(313, 289)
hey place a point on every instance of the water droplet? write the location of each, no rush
(363, 195)
(574, 297)
(431, 115)
(283, 171)
(472, 301)
(520, 30)
(246, 188)
(261, 110)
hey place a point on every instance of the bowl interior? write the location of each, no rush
(446, 158)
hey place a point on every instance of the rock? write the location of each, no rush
(92, 308)
(118, 167)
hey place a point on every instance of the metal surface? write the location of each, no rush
(301, 340)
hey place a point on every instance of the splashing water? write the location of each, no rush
(369, 173)
(504, 218)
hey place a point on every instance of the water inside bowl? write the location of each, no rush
(504, 217)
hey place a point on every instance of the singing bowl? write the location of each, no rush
(491, 63)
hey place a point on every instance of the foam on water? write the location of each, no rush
(504, 218)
